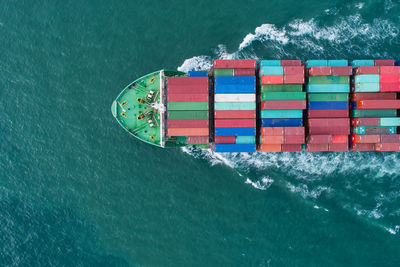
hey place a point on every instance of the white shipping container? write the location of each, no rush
(235, 97)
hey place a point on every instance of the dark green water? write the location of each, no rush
(77, 190)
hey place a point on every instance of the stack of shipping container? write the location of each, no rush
(328, 88)
(187, 108)
(375, 106)
(235, 106)
(282, 104)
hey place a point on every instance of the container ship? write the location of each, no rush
(267, 106)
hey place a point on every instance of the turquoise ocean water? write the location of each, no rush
(77, 190)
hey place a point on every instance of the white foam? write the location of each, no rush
(306, 192)
(263, 184)
(265, 32)
(360, 5)
(196, 63)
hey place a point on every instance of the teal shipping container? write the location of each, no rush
(328, 80)
(271, 70)
(373, 113)
(245, 140)
(283, 96)
(235, 106)
(362, 62)
(366, 87)
(316, 63)
(390, 121)
(338, 63)
(282, 114)
(270, 63)
(328, 88)
(366, 78)
(375, 130)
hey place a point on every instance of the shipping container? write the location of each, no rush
(239, 80)
(281, 122)
(292, 148)
(264, 63)
(389, 138)
(373, 96)
(389, 78)
(187, 115)
(389, 87)
(374, 130)
(188, 131)
(316, 63)
(329, 126)
(337, 113)
(384, 62)
(270, 148)
(273, 131)
(245, 140)
(187, 106)
(245, 72)
(378, 104)
(341, 71)
(187, 97)
(231, 148)
(387, 147)
(293, 131)
(319, 71)
(225, 139)
(370, 113)
(235, 131)
(283, 104)
(234, 114)
(319, 139)
(328, 88)
(234, 64)
(182, 123)
(281, 88)
(366, 122)
(367, 70)
(197, 140)
(362, 147)
(271, 70)
(272, 139)
(235, 105)
(367, 87)
(362, 62)
(389, 122)
(281, 114)
(291, 63)
(201, 73)
(235, 123)
(235, 97)
(293, 79)
(187, 81)
(224, 72)
(328, 97)
(272, 79)
(294, 139)
(365, 139)
(317, 147)
(283, 96)
(293, 70)
(324, 105)
(328, 80)
(390, 70)
(234, 88)
(187, 89)
(338, 63)
(367, 78)
(338, 147)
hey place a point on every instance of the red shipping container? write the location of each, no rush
(272, 131)
(342, 71)
(235, 123)
(367, 70)
(187, 81)
(390, 70)
(188, 131)
(290, 62)
(245, 72)
(389, 87)
(389, 138)
(338, 147)
(363, 147)
(187, 98)
(378, 104)
(389, 78)
(272, 79)
(365, 138)
(384, 62)
(294, 130)
(294, 139)
(387, 147)
(187, 123)
(293, 70)
(283, 104)
(319, 71)
(336, 113)
(373, 96)
(187, 89)
(331, 129)
(329, 122)
(197, 140)
(317, 147)
(293, 79)
(235, 64)
(272, 139)
(340, 139)
(365, 122)
(225, 139)
(319, 139)
(292, 148)
(270, 148)
(234, 114)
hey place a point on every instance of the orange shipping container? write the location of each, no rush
(270, 148)
(272, 131)
(187, 131)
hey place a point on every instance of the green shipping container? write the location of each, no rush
(282, 114)
(283, 96)
(177, 115)
(235, 106)
(329, 79)
(224, 72)
(281, 88)
(245, 140)
(371, 113)
(328, 97)
(188, 106)
(390, 121)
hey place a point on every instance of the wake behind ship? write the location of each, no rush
(269, 106)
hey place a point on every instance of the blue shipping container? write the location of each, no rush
(281, 122)
(234, 88)
(338, 63)
(202, 73)
(328, 88)
(325, 105)
(362, 62)
(269, 70)
(235, 131)
(316, 63)
(220, 80)
(235, 148)
(270, 63)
